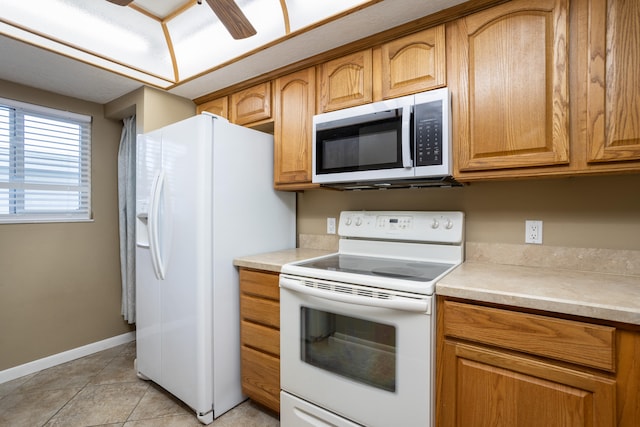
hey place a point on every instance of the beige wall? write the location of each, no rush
(60, 282)
(582, 212)
(152, 107)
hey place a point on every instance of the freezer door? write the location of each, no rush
(148, 316)
(185, 256)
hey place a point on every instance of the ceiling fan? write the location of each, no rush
(227, 12)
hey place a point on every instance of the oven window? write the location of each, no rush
(362, 350)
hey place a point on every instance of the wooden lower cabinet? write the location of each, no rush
(261, 377)
(260, 336)
(503, 368)
(487, 387)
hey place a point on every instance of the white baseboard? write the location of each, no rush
(65, 356)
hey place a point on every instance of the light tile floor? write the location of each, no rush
(103, 390)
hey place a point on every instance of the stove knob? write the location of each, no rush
(348, 221)
(358, 222)
(435, 224)
(449, 224)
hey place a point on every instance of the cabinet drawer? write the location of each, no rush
(576, 342)
(260, 337)
(261, 378)
(260, 310)
(259, 283)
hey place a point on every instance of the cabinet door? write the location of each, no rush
(294, 109)
(508, 77)
(613, 123)
(484, 387)
(251, 105)
(218, 106)
(414, 63)
(346, 82)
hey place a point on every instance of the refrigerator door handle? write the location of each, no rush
(157, 189)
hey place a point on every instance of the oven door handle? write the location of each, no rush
(395, 302)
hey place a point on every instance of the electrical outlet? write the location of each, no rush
(533, 232)
(331, 226)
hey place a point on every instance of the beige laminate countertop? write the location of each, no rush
(596, 295)
(273, 261)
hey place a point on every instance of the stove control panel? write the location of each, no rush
(422, 226)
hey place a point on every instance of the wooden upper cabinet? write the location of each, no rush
(508, 74)
(251, 105)
(413, 63)
(407, 65)
(345, 82)
(218, 106)
(294, 108)
(613, 91)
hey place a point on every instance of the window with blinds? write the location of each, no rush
(45, 164)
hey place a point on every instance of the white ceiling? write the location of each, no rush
(44, 68)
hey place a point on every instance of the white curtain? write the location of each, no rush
(127, 210)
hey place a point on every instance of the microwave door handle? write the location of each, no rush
(407, 161)
(396, 303)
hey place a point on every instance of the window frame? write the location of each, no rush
(14, 179)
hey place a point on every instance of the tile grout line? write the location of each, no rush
(84, 386)
(136, 405)
(65, 404)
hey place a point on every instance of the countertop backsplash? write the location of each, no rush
(325, 242)
(607, 261)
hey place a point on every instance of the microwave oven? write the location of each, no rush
(401, 142)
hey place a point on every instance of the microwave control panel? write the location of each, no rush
(428, 133)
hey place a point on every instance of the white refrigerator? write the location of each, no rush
(204, 195)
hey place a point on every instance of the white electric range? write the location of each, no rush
(357, 328)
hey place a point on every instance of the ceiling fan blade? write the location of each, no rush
(232, 18)
(121, 2)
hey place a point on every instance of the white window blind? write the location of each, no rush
(45, 164)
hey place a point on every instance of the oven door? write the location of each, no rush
(363, 354)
